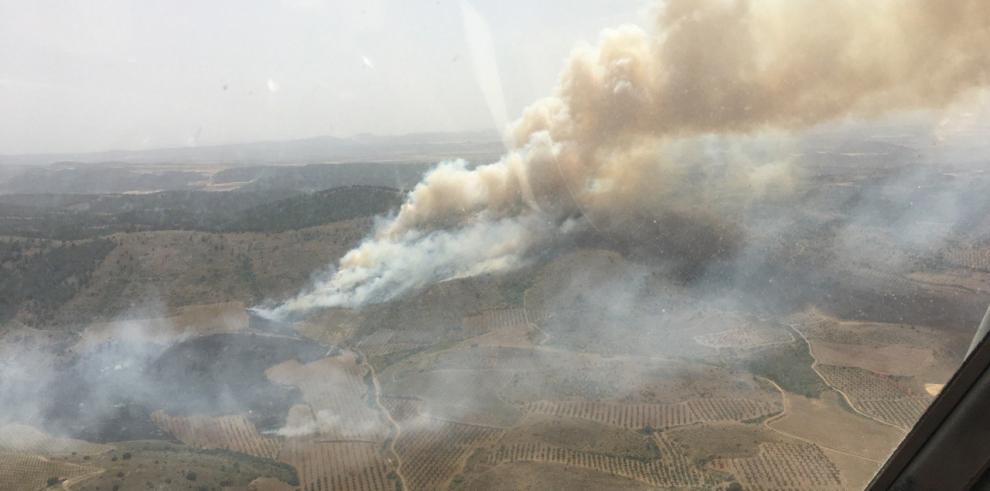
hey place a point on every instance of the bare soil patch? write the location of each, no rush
(581, 435)
(533, 476)
(828, 423)
(894, 359)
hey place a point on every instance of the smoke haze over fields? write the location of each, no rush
(652, 126)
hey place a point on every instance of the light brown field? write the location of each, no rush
(856, 473)
(637, 416)
(434, 451)
(26, 472)
(780, 466)
(541, 476)
(17, 438)
(895, 400)
(403, 408)
(182, 322)
(860, 384)
(337, 395)
(826, 422)
(671, 469)
(336, 439)
(231, 432)
(487, 320)
(580, 435)
(327, 464)
(894, 359)
(934, 389)
(723, 440)
(962, 279)
(134, 464)
(744, 338)
(935, 353)
(269, 484)
(969, 256)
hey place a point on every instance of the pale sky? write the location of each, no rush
(100, 75)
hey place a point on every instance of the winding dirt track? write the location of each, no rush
(69, 483)
(395, 424)
(814, 366)
(786, 404)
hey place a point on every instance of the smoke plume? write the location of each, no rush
(678, 127)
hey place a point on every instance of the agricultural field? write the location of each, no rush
(25, 471)
(188, 321)
(129, 358)
(780, 466)
(829, 422)
(338, 396)
(325, 465)
(861, 384)
(232, 432)
(671, 469)
(402, 408)
(973, 256)
(638, 416)
(545, 476)
(928, 354)
(895, 400)
(133, 464)
(434, 451)
(743, 338)
(491, 320)
(17, 438)
(902, 413)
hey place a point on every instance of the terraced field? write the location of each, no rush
(672, 469)
(637, 416)
(744, 338)
(27, 439)
(495, 319)
(25, 472)
(434, 451)
(337, 393)
(231, 432)
(325, 465)
(784, 466)
(892, 399)
(903, 412)
(973, 256)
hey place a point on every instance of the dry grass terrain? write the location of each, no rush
(827, 422)
(539, 476)
(894, 359)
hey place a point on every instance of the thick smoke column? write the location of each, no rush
(629, 130)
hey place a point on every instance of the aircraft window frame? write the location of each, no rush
(946, 448)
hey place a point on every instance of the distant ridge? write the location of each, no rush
(321, 149)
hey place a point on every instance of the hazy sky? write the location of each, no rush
(81, 76)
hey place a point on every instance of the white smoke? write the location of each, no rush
(383, 268)
(625, 138)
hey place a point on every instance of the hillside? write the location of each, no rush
(72, 258)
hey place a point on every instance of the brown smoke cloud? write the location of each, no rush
(626, 138)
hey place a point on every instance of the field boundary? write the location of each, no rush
(845, 397)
